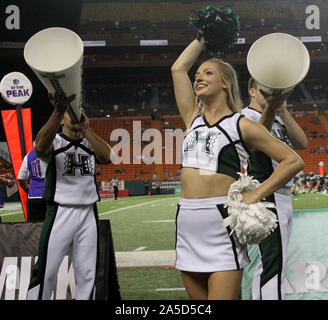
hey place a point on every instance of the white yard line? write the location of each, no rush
(10, 214)
(134, 206)
(170, 289)
(101, 214)
(10, 207)
(140, 249)
(145, 258)
(161, 221)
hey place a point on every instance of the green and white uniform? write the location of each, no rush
(270, 274)
(71, 194)
(203, 244)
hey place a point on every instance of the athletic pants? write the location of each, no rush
(36, 209)
(62, 227)
(115, 192)
(270, 273)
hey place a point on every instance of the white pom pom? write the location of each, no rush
(249, 223)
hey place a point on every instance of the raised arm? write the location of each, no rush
(48, 132)
(258, 137)
(183, 90)
(294, 131)
(272, 104)
(277, 105)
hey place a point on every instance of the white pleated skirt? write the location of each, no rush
(203, 244)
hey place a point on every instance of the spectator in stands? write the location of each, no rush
(214, 150)
(31, 178)
(313, 134)
(274, 115)
(177, 173)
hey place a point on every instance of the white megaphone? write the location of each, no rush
(56, 55)
(278, 62)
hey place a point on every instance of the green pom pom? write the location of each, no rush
(220, 28)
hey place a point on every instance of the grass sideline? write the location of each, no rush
(148, 223)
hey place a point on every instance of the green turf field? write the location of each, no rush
(310, 201)
(141, 222)
(148, 223)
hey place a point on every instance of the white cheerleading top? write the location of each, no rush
(218, 147)
(261, 166)
(71, 172)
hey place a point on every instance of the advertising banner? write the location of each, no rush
(307, 263)
(19, 244)
(12, 130)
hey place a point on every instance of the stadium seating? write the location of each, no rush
(312, 160)
(316, 151)
(317, 137)
(103, 126)
(126, 22)
(178, 11)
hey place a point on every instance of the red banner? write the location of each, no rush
(10, 124)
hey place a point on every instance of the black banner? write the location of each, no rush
(19, 244)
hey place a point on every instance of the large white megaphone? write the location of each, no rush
(278, 62)
(56, 55)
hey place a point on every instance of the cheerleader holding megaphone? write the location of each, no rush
(220, 210)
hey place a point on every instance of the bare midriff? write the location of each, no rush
(200, 183)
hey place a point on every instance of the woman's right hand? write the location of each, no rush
(250, 197)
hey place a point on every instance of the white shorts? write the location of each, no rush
(203, 244)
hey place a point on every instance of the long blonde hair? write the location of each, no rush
(230, 79)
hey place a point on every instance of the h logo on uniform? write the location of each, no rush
(207, 140)
(84, 164)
